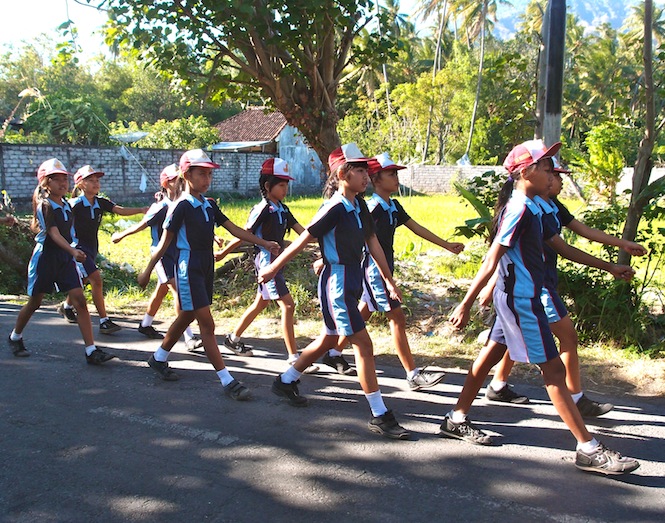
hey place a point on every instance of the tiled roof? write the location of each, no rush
(251, 125)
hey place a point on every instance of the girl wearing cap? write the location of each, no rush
(271, 219)
(88, 209)
(343, 226)
(171, 188)
(521, 322)
(53, 261)
(190, 223)
(388, 214)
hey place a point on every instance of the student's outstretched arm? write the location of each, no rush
(164, 242)
(268, 273)
(423, 232)
(128, 211)
(379, 256)
(120, 235)
(623, 272)
(228, 249)
(595, 235)
(246, 235)
(460, 316)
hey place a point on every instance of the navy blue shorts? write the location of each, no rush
(88, 266)
(194, 277)
(165, 269)
(340, 288)
(50, 270)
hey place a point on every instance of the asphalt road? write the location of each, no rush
(115, 443)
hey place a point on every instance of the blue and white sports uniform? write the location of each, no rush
(50, 267)
(338, 228)
(270, 221)
(193, 222)
(387, 217)
(87, 217)
(155, 217)
(521, 323)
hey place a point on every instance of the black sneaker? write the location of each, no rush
(605, 461)
(18, 349)
(150, 332)
(162, 368)
(465, 431)
(237, 391)
(68, 314)
(108, 327)
(505, 395)
(237, 347)
(193, 343)
(289, 391)
(339, 364)
(98, 357)
(425, 379)
(592, 409)
(387, 426)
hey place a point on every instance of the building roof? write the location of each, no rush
(251, 125)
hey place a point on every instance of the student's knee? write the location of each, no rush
(553, 372)
(397, 318)
(77, 298)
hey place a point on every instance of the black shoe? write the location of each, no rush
(465, 431)
(150, 332)
(425, 379)
(18, 349)
(592, 409)
(68, 314)
(98, 357)
(237, 347)
(605, 461)
(237, 391)
(387, 426)
(289, 391)
(505, 395)
(193, 343)
(162, 368)
(339, 364)
(108, 327)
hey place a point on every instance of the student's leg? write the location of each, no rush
(26, 312)
(207, 327)
(398, 331)
(502, 371)
(565, 332)
(489, 356)
(288, 307)
(77, 299)
(182, 321)
(157, 298)
(314, 351)
(251, 313)
(95, 280)
(364, 351)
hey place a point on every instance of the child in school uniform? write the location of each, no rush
(271, 219)
(560, 323)
(521, 322)
(190, 223)
(53, 261)
(388, 214)
(88, 209)
(171, 185)
(343, 226)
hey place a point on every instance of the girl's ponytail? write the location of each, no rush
(38, 196)
(501, 201)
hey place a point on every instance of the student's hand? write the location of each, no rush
(273, 247)
(266, 274)
(318, 266)
(622, 272)
(219, 256)
(79, 255)
(485, 296)
(219, 241)
(116, 237)
(393, 291)
(143, 279)
(460, 317)
(634, 249)
(455, 247)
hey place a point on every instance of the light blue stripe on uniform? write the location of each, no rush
(32, 267)
(375, 293)
(336, 301)
(184, 288)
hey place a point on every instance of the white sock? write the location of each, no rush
(292, 358)
(457, 416)
(576, 397)
(290, 375)
(147, 320)
(67, 305)
(234, 338)
(161, 355)
(334, 352)
(376, 404)
(498, 385)
(188, 334)
(15, 337)
(225, 376)
(412, 373)
(90, 349)
(102, 320)
(589, 446)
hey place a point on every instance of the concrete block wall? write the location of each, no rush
(431, 179)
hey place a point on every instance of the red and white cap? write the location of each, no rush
(168, 173)
(382, 162)
(276, 167)
(558, 168)
(528, 153)
(49, 167)
(196, 158)
(348, 153)
(84, 172)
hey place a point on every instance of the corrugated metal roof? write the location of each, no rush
(251, 125)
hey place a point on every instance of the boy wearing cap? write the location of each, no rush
(88, 208)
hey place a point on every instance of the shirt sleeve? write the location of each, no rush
(257, 216)
(550, 228)
(220, 217)
(105, 204)
(175, 217)
(155, 214)
(565, 217)
(45, 215)
(325, 219)
(512, 225)
(402, 216)
(290, 219)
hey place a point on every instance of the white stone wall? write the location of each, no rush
(430, 179)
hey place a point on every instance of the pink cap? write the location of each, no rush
(49, 167)
(84, 172)
(348, 153)
(382, 162)
(276, 167)
(528, 153)
(168, 173)
(558, 168)
(196, 158)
